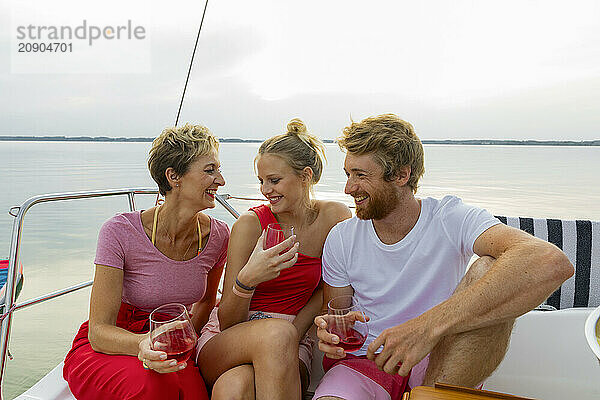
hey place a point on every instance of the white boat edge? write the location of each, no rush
(548, 358)
(592, 331)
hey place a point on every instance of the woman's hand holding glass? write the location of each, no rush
(156, 360)
(171, 340)
(265, 264)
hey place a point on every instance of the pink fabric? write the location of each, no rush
(292, 289)
(346, 383)
(150, 279)
(123, 244)
(417, 373)
(395, 385)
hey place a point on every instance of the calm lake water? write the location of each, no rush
(59, 238)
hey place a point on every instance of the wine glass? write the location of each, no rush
(347, 320)
(277, 233)
(172, 331)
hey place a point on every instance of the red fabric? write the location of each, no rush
(292, 289)
(395, 385)
(95, 376)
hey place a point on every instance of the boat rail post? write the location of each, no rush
(9, 302)
(222, 199)
(131, 201)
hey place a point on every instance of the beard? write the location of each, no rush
(380, 204)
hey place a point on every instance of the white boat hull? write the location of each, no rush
(549, 358)
(50, 387)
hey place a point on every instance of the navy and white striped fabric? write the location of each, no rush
(580, 241)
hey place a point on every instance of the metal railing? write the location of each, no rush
(10, 305)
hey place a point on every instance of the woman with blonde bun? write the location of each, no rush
(270, 297)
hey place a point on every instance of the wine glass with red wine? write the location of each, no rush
(172, 331)
(347, 320)
(277, 233)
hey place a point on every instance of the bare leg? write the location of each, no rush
(467, 358)
(270, 346)
(235, 384)
(238, 383)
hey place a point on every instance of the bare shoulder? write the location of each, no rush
(244, 235)
(247, 224)
(333, 212)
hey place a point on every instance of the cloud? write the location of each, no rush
(456, 70)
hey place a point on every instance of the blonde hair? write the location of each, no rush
(391, 140)
(298, 148)
(178, 148)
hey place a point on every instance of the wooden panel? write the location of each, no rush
(449, 392)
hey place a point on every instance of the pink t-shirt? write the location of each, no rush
(151, 279)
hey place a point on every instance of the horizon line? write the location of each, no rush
(61, 138)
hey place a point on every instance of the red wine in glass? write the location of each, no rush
(352, 340)
(347, 321)
(181, 344)
(172, 331)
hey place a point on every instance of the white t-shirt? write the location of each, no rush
(395, 283)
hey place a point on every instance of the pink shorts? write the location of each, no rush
(212, 328)
(347, 383)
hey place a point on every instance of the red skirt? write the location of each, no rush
(95, 376)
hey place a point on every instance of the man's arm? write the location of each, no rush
(526, 271)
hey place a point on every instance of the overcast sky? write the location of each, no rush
(455, 69)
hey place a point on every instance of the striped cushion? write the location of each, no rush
(580, 241)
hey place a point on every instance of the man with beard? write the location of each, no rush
(404, 259)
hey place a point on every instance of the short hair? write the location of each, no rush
(298, 148)
(178, 148)
(391, 140)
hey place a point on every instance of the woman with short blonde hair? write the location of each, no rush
(172, 253)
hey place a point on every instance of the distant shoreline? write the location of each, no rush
(475, 142)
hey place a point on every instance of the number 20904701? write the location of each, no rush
(56, 47)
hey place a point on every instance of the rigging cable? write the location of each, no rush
(159, 200)
(191, 63)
